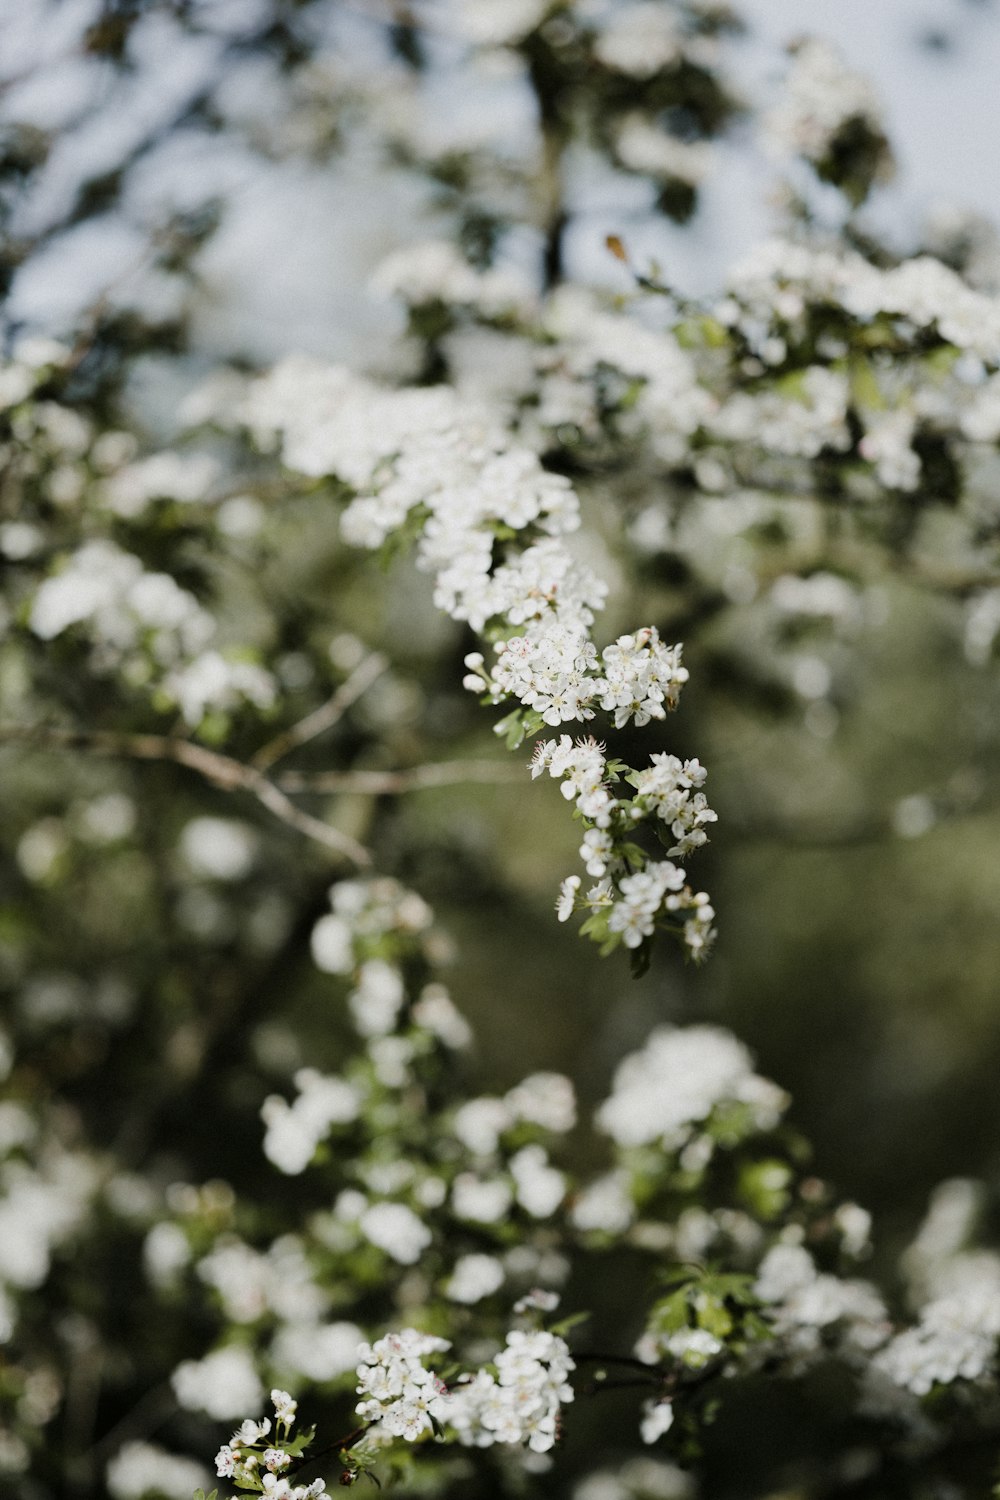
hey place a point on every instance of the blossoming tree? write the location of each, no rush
(258, 620)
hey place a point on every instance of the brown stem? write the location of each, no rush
(338, 1446)
(392, 783)
(220, 770)
(324, 717)
(617, 1359)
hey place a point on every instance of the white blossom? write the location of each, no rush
(401, 1393)
(675, 1082)
(222, 1384)
(657, 1418)
(140, 1468)
(474, 1277)
(397, 1230)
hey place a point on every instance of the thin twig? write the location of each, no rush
(221, 770)
(338, 1446)
(324, 717)
(392, 783)
(634, 1383)
(633, 1363)
(147, 1415)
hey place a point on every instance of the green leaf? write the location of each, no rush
(565, 1325)
(792, 386)
(713, 1316)
(764, 1187)
(941, 361)
(297, 1445)
(596, 926)
(671, 1314)
(511, 729)
(701, 333)
(865, 389)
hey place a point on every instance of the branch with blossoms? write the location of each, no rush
(491, 524)
(515, 1400)
(748, 1252)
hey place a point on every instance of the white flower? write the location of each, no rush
(211, 681)
(435, 1010)
(218, 848)
(185, 477)
(639, 40)
(436, 271)
(479, 1124)
(478, 1200)
(566, 903)
(545, 1099)
(331, 945)
(473, 1278)
(694, 1346)
(225, 1461)
(295, 1130)
(284, 1407)
(537, 1300)
(396, 1229)
(887, 445)
(139, 1469)
(822, 96)
(222, 1384)
(250, 1432)
(657, 1418)
(376, 1002)
(605, 1205)
(540, 1188)
(676, 1081)
(400, 1392)
(522, 1404)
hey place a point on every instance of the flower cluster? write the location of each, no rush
(956, 1338)
(518, 1402)
(666, 1091)
(658, 394)
(253, 1466)
(146, 627)
(633, 895)
(829, 114)
(812, 1311)
(521, 1403)
(426, 455)
(782, 278)
(553, 670)
(400, 1393)
(435, 272)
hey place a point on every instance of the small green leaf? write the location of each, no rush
(565, 1325)
(511, 729)
(865, 389)
(633, 854)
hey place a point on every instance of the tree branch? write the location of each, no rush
(413, 779)
(220, 770)
(324, 717)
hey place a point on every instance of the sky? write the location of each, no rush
(289, 266)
